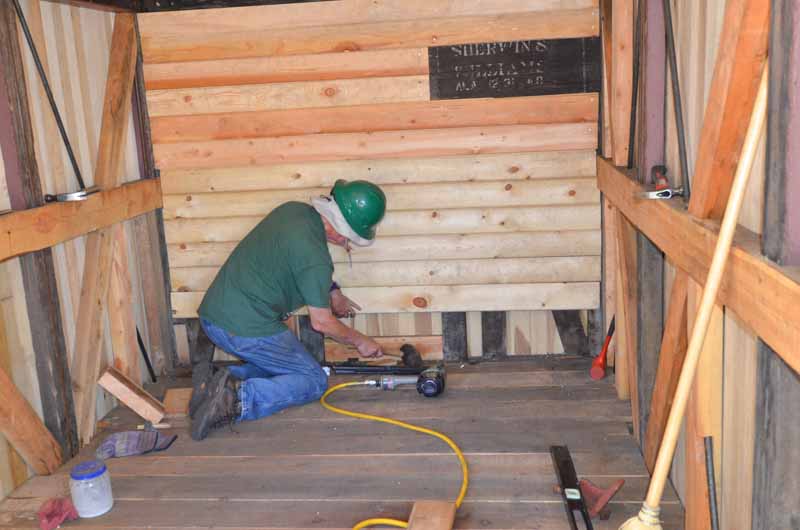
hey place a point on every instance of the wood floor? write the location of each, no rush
(308, 468)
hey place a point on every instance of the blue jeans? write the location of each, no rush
(277, 372)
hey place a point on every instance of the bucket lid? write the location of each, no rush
(88, 470)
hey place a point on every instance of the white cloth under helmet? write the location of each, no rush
(327, 208)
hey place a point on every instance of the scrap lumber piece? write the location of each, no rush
(132, 395)
(176, 402)
(25, 431)
(432, 515)
(99, 244)
(429, 347)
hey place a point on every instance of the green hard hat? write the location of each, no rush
(362, 203)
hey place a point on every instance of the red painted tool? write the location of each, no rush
(598, 370)
(597, 498)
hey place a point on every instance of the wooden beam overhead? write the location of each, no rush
(764, 296)
(38, 228)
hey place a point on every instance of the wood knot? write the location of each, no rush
(508, 187)
(187, 98)
(420, 302)
(330, 91)
(347, 47)
(183, 246)
(188, 198)
(513, 169)
(572, 193)
(435, 214)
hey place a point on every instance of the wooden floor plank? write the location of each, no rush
(306, 468)
(332, 515)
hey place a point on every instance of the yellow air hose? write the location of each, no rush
(464, 469)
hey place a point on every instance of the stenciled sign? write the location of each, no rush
(517, 68)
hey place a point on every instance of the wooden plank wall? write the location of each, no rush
(492, 200)
(697, 31)
(16, 352)
(74, 46)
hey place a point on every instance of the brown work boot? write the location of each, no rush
(202, 374)
(220, 407)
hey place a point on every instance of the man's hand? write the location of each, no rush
(342, 306)
(370, 348)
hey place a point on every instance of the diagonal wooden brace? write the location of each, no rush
(742, 54)
(99, 244)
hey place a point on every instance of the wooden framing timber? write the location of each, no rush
(148, 232)
(434, 298)
(132, 395)
(25, 431)
(777, 418)
(432, 515)
(25, 231)
(161, 47)
(765, 297)
(38, 269)
(99, 244)
(622, 30)
(739, 64)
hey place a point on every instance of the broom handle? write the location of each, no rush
(667, 449)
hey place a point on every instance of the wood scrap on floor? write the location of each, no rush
(132, 395)
(432, 515)
(176, 402)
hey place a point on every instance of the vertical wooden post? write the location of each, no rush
(777, 439)
(628, 290)
(609, 215)
(148, 232)
(622, 32)
(454, 336)
(38, 269)
(650, 152)
(704, 414)
(493, 333)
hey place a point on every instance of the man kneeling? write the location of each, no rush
(280, 266)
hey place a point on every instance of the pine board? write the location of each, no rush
(472, 168)
(489, 297)
(479, 246)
